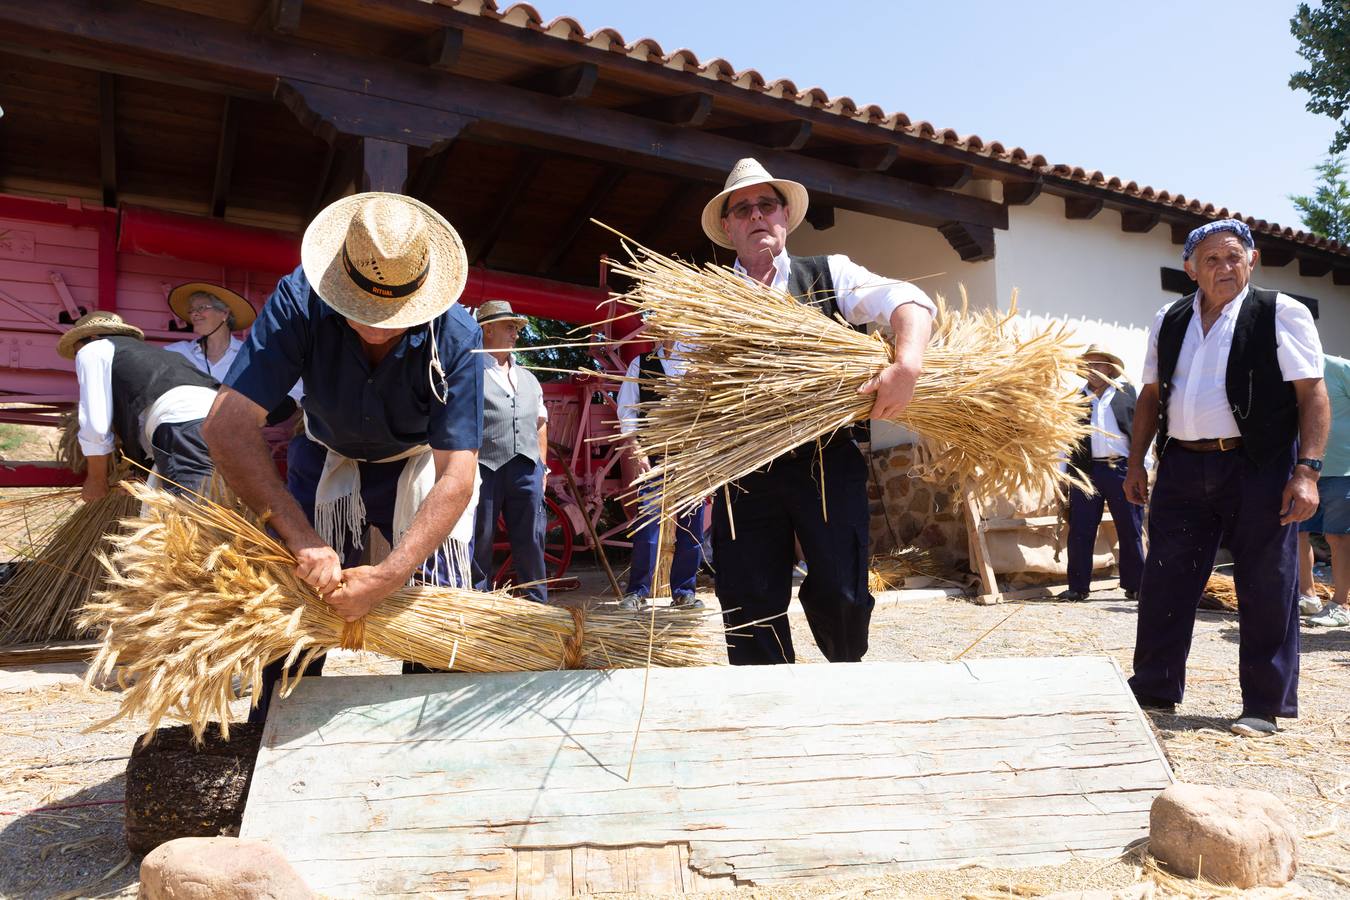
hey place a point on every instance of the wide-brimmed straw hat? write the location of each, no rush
(91, 324)
(241, 309)
(498, 311)
(747, 173)
(384, 259)
(1098, 353)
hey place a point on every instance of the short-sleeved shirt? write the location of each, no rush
(360, 411)
(1336, 373)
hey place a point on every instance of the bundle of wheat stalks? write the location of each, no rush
(888, 571)
(198, 600)
(766, 373)
(1222, 589)
(54, 537)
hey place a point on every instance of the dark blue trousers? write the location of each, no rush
(688, 550)
(1199, 500)
(379, 488)
(181, 457)
(1085, 516)
(754, 567)
(516, 492)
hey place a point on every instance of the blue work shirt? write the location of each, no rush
(359, 411)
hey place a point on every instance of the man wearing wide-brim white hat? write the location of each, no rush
(818, 498)
(393, 403)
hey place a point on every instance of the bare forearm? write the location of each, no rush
(1145, 424)
(435, 518)
(543, 444)
(96, 468)
(913, 327)
(1314, 418)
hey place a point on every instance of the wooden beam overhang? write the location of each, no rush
(1340, 276)
(939, 176)
(868, 157)
(821, 217)
(1138, 221)
(283, 16)
(1273, 256)
(440, 50)
(595, 198)
(521, 180)
(406, 96)
(689, 110)
(220, 186)
(973, 243)
(574, 82)
(1081, 207)
(107, 137)
(790, 135)
(1313, 268)
(329, 112)
(321, 182)
(1021, 193)
(423, 179)
(1180, 231)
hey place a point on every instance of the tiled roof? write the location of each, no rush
(523, 15)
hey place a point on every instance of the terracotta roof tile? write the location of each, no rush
(523, 15)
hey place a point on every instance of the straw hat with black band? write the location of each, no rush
(748, 173)
(498, 311)
(241, 309)
(1097, 353)
(94, 324)
(384, 260)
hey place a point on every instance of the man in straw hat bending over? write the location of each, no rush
(753, 533)
(151, 399)
(1100, 457)
(1233, 390)
(393, 403)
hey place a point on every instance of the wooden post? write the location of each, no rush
(979, 548)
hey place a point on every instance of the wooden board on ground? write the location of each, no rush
(518, 785)
(47, 652)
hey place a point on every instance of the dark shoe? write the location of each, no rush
(633, 602)
(1254, 726)
(1072, 596)
(685, 601)
(1131, 595)
(1155, 704)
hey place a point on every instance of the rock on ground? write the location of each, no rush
(1227, 836)
(219, 868)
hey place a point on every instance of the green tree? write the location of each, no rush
(540, 332)
(1327, 211)
(1324, 41)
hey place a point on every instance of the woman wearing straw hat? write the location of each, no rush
(818, 497)
(214, 312)
(152, 400)
(393, 404)
(1101, 456)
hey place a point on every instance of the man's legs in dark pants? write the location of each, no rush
(1186, 519)
(1085, 517)
(490, 491)
(523, 510)
(688, 554)
(1265, 575)
(1109, 479)
(834, 542)
(754, 570)
(181, 457)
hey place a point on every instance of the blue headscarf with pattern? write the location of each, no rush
(1195, 237)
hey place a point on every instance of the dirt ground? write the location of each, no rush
(61, 790)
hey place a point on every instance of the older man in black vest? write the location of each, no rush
(1233, 390)
(818, 497)
(1100, 457)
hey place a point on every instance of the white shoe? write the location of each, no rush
(1334, 616)
(1309, 605)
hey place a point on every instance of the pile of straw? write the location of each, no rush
(1222, 589)
(888, 571)
(55, 537)
(199, 599)
(766, 373)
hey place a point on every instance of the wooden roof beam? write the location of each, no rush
(658, 221)
(600, 192)
(820, 216)
(422, 181)
(438, 50)
(329, 112)
(869, 157)
(1021, 193)
(687, 110)
(220, 186)
(1340, 277)
(973, 243)
(520, 180)
(574, 82)
(1313, 267)
(283, 16)
(1081, 207)
(938, 176)
(1274, 257)
(1138, 222)
(107, 137)
(790, 135)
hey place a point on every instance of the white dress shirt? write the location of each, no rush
(197, 356)
(630, 394)
(1107, 439)
(504, 374)
(862, 296)
(93, 368)
(1198, 407)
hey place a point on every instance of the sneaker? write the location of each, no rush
(1072, 596)
(1308, 605)
(685, 601)
(633, 602)
(1254, 726)
(1334, 616)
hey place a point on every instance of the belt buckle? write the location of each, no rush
(1222, 446)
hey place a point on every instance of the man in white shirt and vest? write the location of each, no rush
(753, 215)
(1100, 457)
(1233, 391)
(513, 461)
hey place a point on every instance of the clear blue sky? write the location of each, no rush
(1190, 97)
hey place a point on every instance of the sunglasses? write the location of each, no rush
(767, 206)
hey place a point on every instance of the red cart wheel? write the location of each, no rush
(558, 540)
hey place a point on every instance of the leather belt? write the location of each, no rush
(1223, 445)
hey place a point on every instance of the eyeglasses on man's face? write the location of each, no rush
(767, 206)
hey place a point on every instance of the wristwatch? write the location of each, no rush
(1314, 464)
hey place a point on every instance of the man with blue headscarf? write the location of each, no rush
(1233, 391)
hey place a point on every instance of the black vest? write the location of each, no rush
(141, 374)
(650, 368)
(811, 284)
(1263, 403)
(1122, 407)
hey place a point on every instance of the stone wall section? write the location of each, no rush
(907, 511)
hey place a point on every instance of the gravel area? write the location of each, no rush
(61, 789)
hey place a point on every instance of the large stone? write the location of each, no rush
(1227, 836)
(219, 868)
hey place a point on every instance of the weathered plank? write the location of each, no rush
(517, 784)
